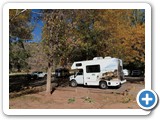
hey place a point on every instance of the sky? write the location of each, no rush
(37, 32)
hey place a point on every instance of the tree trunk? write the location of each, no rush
(49, 73)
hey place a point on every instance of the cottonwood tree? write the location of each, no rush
(20, 30)
(53, 38)
(88, 36)
(124, 34)
(86, 39)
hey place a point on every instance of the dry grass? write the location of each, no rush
(27, 91)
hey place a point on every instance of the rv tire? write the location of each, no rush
(103, 85)
(73, 83)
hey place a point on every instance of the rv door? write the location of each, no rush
(79, 76)
(91, 76)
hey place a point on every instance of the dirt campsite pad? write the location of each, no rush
(81, 98)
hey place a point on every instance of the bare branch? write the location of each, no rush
(17, 14)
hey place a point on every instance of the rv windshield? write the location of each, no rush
(78, 72)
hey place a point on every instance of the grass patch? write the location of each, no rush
(71, 100)
(126, 100)
(87, 99)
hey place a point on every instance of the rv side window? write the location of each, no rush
(92, 68)
(79, 64)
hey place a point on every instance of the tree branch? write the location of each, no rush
(17, 14)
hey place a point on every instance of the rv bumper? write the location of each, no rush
(115, 82)
(71, 77)
(123, 81)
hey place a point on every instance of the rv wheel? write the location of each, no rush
(73, 83)
(103, 85)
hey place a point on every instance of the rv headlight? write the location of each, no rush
(72, 76)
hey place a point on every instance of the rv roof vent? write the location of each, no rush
(97, 58)
(107, 57)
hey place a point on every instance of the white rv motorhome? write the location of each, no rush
(100, 71)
